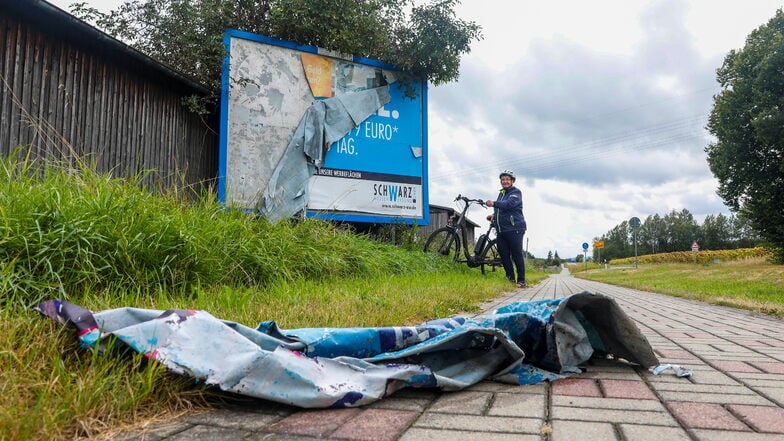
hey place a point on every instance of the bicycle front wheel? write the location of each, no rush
(490, 256)
(445, 242)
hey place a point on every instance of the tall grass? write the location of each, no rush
(104, 242)
(64, 230)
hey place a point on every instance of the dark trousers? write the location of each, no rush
(510, 247)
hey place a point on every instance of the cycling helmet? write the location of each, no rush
(509, 173)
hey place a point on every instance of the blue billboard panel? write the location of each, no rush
(374, 171)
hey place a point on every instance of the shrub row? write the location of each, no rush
(708, 256)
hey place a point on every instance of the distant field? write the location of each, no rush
(752, 284)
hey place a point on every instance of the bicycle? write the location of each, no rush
(449, 240)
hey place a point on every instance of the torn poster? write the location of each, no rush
(323, 123)
(520, 343)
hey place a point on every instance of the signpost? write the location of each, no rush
(695, 247)
(599, 244)
(634, 222)
(585, 255)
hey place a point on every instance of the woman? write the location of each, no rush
(510, 227)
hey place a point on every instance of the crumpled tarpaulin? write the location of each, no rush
(323, 123)
(520, 343)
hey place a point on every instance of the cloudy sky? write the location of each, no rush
(599, 107)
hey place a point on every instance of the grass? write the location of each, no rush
(752, 284)
(103, 243)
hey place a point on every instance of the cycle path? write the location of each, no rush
(736, 391)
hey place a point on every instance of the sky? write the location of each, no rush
(598, 107)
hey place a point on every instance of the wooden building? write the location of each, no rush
(439, 215)
(70, 92)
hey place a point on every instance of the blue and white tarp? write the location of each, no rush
(520, 343)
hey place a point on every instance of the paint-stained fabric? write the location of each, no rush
(521, 343)
(322, 124)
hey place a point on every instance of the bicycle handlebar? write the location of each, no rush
(469, 200)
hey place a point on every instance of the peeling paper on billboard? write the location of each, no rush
(520, 343)
(323, 123)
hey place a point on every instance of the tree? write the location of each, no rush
(715, 232)
(652, 234)
(747, 121)
(425, 42)
(556, 259)
(681, 230)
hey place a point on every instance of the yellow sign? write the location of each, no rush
(598, 244)
(318, 71)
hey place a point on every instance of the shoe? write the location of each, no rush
(521, 284)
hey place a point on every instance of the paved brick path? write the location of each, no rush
(736, 392)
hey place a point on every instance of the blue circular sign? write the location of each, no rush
(585, 245)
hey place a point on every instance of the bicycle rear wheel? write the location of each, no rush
(490, 256)
(443, 241)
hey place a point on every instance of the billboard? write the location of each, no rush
(305, 130)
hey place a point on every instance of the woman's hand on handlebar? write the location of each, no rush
(489, 203)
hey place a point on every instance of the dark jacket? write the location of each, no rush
(508, 210)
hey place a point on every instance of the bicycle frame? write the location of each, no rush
(453, 235)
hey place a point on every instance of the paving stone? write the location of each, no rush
(675, 354)
(758, 376)
(733, 366)
(712, 377)
(518, 405)
(608, 403)
(627, 389)
(376, 425)
(473, 403)
(757, 384)
(418, 434)
(412, 404)
(770, 367)
(713, 398)
(210, 433)
(233, 419)
(705, 416)
(612, 416)
(685, 386)
(629, 375)
(314, 422)
(494, 386)
(577, 387)
(583, 431)
(726, 435)
(761, 418)
(479, 423)
(773, 393)
(634, 432)
(154, 432)
(266, 436)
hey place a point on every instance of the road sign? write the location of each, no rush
(695, 246)
(598, 244)
(634, 222)
(585, 245)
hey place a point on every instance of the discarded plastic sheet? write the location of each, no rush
(520, 343)
(680, 371)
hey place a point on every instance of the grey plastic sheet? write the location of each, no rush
(520, 343)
